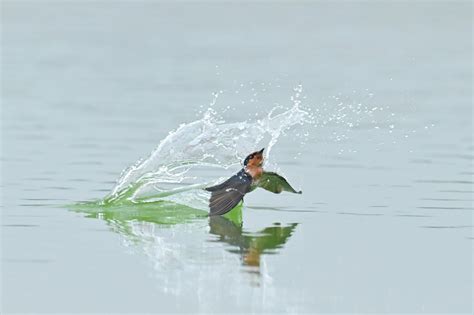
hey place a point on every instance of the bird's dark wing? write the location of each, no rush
(227, 195)
(275, 183)
(221, 185)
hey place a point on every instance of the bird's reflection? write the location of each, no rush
(250, 246)
(174, 237)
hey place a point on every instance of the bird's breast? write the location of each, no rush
(255, 172)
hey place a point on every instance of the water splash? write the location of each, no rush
(176, 165)
(190, 157)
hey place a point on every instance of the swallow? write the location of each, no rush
(225, 196)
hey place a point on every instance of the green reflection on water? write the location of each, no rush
(161, 212)
(250, 245)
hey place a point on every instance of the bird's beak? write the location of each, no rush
(261, 151)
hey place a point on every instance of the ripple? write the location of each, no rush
(39, 178)
(283, 209)
(35, 205)
(59, 188)
(87, 163)
(263, 207)
(20, 225)
(83, 145)
(43, 199)
(360, 214)
(446, 208)
(454, 156)
(108, 182)
(446, 226)
(35, 261)
(445, 199)
(26, 216)
(414, 215)
(458, 191)
(353, 166)
(438, 181)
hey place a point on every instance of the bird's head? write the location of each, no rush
(254, 159)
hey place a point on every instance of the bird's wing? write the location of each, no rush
(275, 183)
(221, 185)
(227, 195)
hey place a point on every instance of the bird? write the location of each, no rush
(225, 196)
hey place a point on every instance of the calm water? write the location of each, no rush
(384, 223)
